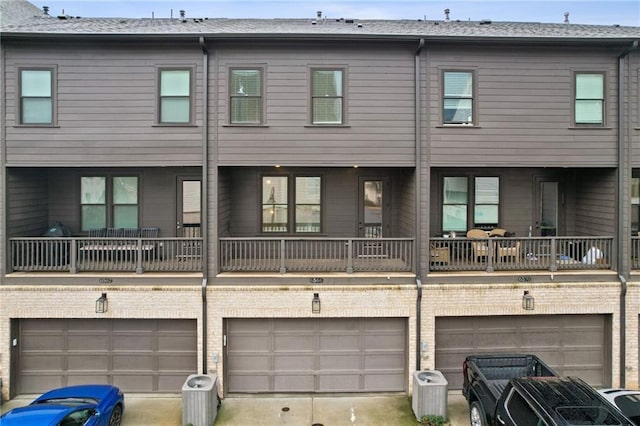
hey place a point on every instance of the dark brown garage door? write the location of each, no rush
(574, 345)
(136, 355)
(316, 355)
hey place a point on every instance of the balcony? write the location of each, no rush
(521, 254)
(346, 255)
(75, 254)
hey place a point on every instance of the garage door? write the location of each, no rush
(573, 345)
(136, 355)
(316, 355)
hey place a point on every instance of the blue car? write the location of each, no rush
(84, 405)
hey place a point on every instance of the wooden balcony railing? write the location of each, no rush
(526, 254)
(106, 254)
(77, 254)
(316, 255)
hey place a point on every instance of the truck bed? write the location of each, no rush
(495, 371)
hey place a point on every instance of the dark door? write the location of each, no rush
(373, 208)
(549, 213)
(189, 204)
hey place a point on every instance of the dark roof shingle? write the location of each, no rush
(41, 24)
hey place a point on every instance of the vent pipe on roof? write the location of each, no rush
(446, 14)
(566, 17)
(45, 9)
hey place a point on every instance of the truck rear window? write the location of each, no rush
(587, 416)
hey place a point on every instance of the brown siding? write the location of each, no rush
(224, 204)
(340, 203)
(106, 101)
(523, 108)
(157, 196)
(633, 105)
(27, 202)
(588, 195)
(379, 106)
(595, 212)
(404, 205)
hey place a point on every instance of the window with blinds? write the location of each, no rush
(457, 99)
(327, 96)
(589, 99)
(36, 96)
(245, 97)
(175, 96)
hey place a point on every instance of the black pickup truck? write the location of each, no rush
(521, 390)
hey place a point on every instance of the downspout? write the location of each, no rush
(623, 170)
(623, 328)
(4, 237)
(204, 191)
(418, 233)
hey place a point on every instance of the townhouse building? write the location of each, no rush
(314, 205)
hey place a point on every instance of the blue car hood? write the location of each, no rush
(87, 391)
(41, 415)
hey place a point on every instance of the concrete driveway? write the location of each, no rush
(330, 410)
(294, 410)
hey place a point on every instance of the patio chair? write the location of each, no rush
(497, 232)
(149, 232)
(148, 245)
(97, 233)
(508, 248)
(479, 248)
(114, 233)
(439, 254)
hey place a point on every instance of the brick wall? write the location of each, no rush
(485, 299)
(295, 302)
(161, 302)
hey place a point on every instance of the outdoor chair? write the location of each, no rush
(480, 248)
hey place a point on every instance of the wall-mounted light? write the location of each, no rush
(102, 304)
(528, 302)
(315, 303)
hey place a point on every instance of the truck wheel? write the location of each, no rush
(476, 414)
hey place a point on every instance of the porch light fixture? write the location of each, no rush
(102, 304)
(315, 303)
(527, 301)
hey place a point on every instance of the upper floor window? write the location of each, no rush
(589, 99)
(246, 96)
(175, 96)
(36, 96)
(327, 96)
(294, 201)
(478, 204)
(457, 99)
(109, 202)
